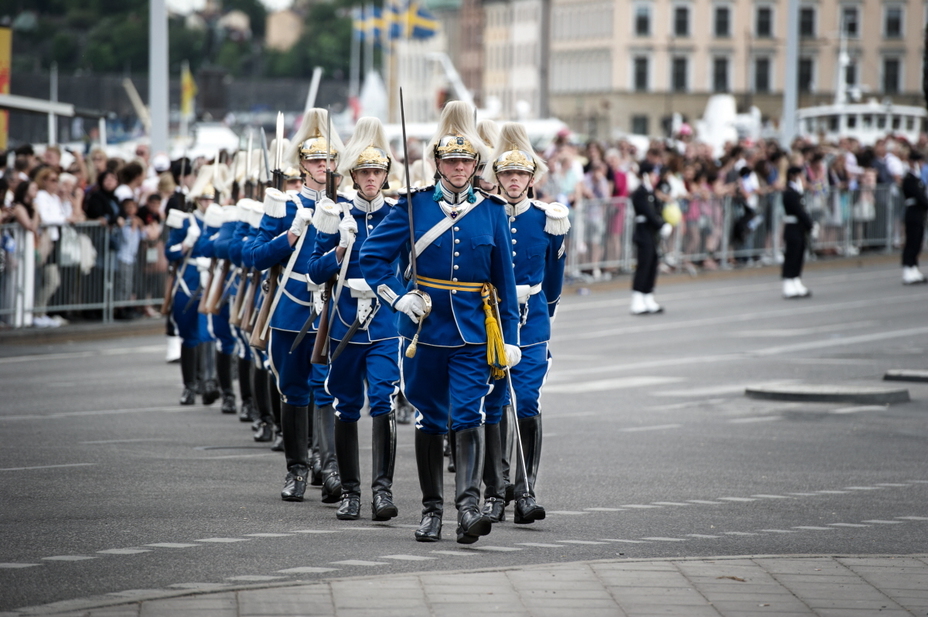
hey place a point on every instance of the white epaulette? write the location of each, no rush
(390, 201)
(244, 208)
(275, 203)
(213, 216)
(327, 217)
(556, 223)
(230, 214)
(256, 214)
(176, 218)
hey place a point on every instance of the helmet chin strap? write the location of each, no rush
(311, 176)
(451, 187)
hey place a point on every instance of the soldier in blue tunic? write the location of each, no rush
(538, 258)
(287, 237)
(364, 343)
(462, 246)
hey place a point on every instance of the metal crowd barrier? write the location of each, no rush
(722, 233)
(88, 270)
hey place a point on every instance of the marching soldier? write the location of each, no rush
(465, 246)
(539, 261)
(796, 225)
(233, 247)
(287, 237)
(366, 344)
(648, 225)
(916, 205)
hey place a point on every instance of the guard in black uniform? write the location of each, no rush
(916, 205)
(797, 224)
(648, 225)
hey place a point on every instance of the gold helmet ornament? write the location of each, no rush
(368, 148)
(514, 152)
(292, 173)
(311, 140)
(457, 136)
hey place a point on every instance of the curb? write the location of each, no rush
(824, 393)
(905, 375)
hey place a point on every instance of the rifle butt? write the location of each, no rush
(264, 314)
(320, 353)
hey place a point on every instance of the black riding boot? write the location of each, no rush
(248, 412)
(208, 372)
(506, 442)
(315, 464)
(527, 511)
(331, 483)
(269, 426)
(494, 505)
(346, 451)
(293, 422)
(264, 423)
(188, 372)
(452, 451)
(383, 445)
(224, 375)
(472, 523)
(429, 460)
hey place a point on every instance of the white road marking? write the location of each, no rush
(738, 533)
(862, 488)
(670, 503)
(48, 467)
(891, 484)
(832, 492)
(496, 549)
(913, 518)
(879, 522)
(99, 412)
(784, 332)
(173, 545)
(307, 570)
(754, 419)
(624, 541)
(269, 535)
(407, 557)
(223, 540)
(14, 566)
(726, 389)
(777, 530)
(662, 539)
(256, 578)
(704, 502)
(702, 535)
(109, 441)
(455, 553)
(840, 342)
(539, 545)
(358, 562)
(200, 586)
(770, 496)
(848, 525)
(124, 551)
(813, 528)
(579, 542)
(859, 409)
(805, 494)
(320, 530)
(83, 354)
(602, 385)
(605, 509)
(567, 512)
(657, 427)
(741, 499)
(640, 506)
(69, 558)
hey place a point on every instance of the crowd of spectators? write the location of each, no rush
(75, 209)
(845, 183)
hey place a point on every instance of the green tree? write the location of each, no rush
(325, 42)
(255, 11)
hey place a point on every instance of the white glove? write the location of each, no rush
(666, 230)
(347, 229)
(304, 216)
(815, 231)
(513, 355)
(193, 234)
(412, 304)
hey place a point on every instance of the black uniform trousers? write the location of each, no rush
(914, 235)
(794, 237)
(646, 271)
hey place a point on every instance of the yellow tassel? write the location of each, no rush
(496, 350)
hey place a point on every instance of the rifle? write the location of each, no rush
(169, 289)
(248, 305)
(216, 292)
(244, 274)
(320, 353)
(203, 306)
(259, 334)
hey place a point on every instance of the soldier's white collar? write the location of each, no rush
(452, 198)
(368, 206)
(313, 194)
(519, 208)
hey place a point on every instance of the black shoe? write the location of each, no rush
(429, 528)
(228, 403)
(211, 392)
(188, 397)
(471, 525)
(248, 411)
(265, 433)
(315, 473)
(278, 445)
(527, 510)
(349, 509)
(294, 485)
(383, 508)
(332, 489)
(494, 509)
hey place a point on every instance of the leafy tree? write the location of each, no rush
(255, 11)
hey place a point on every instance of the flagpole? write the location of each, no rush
(369, 38)
(355, 66)
(388, 57)
(184, 71)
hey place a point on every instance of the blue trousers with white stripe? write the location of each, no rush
(377, 366)
(528, 377)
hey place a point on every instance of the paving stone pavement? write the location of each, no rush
(826, 586)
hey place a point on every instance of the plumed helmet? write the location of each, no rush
(292, 173)
(311, 140)
(368, 148)
(489, 133)
(514, 152)
(457, 136)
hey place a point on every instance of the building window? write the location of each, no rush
(762, 75)
(891, 74)
(763, 22)
(892, 22)
(681, 20)
(807, 22)
(678, 77)
(806, 74)
(641, 73)
(720, 74)
(850, 74)
(643, 19)
(639, 125)
(850, 22)
(722, 21)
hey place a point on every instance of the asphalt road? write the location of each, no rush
(651, 450)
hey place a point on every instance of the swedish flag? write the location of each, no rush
(410, 21)
(367, 23)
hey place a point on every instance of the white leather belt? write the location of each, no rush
(641, 219)
(310, 285)
(363, 293)
(360, 289)
(789, 218)
(526, 291)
